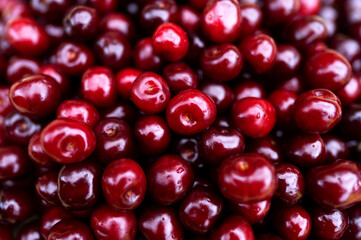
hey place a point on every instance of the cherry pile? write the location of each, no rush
(174, 119)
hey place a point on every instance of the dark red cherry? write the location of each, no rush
(218, 143)
(288, 61)
(108, 224)
(188, 149)
(249, 88)
(15, 9)
(104, 6)
(6, 233)
(198, 4)
(331, 16)
(252, 17)
(98, 86)
(150, 93)
(254, 117)
(222, 62)
(351, 120)
(29, 231)
(114, 139)
(124, 81)
(56, 33)
(170, 42)
(354, 223)
(119, 23)
(280, 11)
(260, 51)
(54, 72)
(144, 56)
(350, 92)
(189, 18)
(253, 212)
(47, 187)
(14, 162)
(19, 67)
(113, 50)
(179, 77)
(51, 10)
(239, 181)
(124, 184)
(169, 179)
(221, 20)
(337, 185)
(309, 7)
(78, 110)
(70, 229)
(160, 222)
(283, 101)
(5, 103)
(153, 134)
(191, 111)
(27, 36)
(317, 111)
(347, 47)
(67, 140)
(293, 84)
(200, 210)
(122, 110)
(79, 185)
(327, 69)
(50, 217)
(335, 148)
(292, 222)
(36, 96)
(221, 94)
(267, 146)
(234, 227)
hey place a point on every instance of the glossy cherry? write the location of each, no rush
(122, 110)
(29, 231)
(354, 226)
(19, 67)
(50, 217)
(346, 46)
(144, 56)
(189, 18)
(124, 184)
(14, 162)
(283, 101)
(249, 88)
(47, 187)
(124, 81)
(179, 77)
(70, 229)
(350, 121)
(67, 140)
(252, 17)
(335, 148)
(238, 178)
(169, 179)
(5, 103)
(253, 212)
(118, 22)
(288, 61)
(267, 146)
(53, 71)
(280, 11)
(309, 7)
(350, 92)
(234, 227)
(188, 148)
(51, 10)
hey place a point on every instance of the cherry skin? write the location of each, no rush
(267, 146)
(191, 111)
(280, 11)
(118, 22)
(98, 87)
(347, 47)
(267, 236)
(153, 134)
(200, 210)
(249, 88)
(56, 34)
(124, 184)
(179, 77)
(309, 7)
(144, 56)
(114, 139)
(292, 222)
(5, 103)
(170, 42)
(67, 140)
(221, 94)
(6, 233)
(50, 217)
(234, 227)
(254, 117)
(51, 10)
(104, 6)
(351, 121)
(335, 148)
(14, 162)
(218, 143)
(288, 61)
(53, 71)
(252, 17)
(189, 18)
(47, 187)
(221, 20)
(317, 111)
(260, 51)
(354, 226)
(81, 23)
(78, 110)
(337, 185)
(36, 95)
(222, 62)
(253, 212)
(27, 36)
(161, 223)
(238, 178)
(150, 93)
(283, 101)
(70, 229)
(122, 110)
(291, 184)
(29, 231)
(350, 92)
(328, 224)
(188, 149)
(79, 185)
(124, 81)
(19, 67)
(108, 224)
(169, 179)
(320, 70)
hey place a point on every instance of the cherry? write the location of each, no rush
(36, 95)
(114, 139)
(27, 36)
(221, 20)
(288, 61)
(51, 10)
(124, 184)
(5, 103)
(153, 134)
(119, 23)
(221, 94)
(350, 92)
(19, 67)
(200, 210)
(354, 226)
(78, 110)
(280, 11)
(67, 140)
(222, 62)
(188, 149)
(253, 212)
(252, 17)
(160, 222)
(14, 162)
(108, 224)
(191, 111)
(29, 231)
(150, 93)
(267, 146)
(309, 7)
(283, 101)
(15, 9)
(104, 6)
(335, 148)
(254, 117)
(124, 81)
(238, 178)
(347, 47)
(53, 71)
(249, 88)
(145, 58)
(234, 227)
(218, 143)
(79, 185)
(336, 185)
(350, 122)
(189, 18)
(179, 77)
(317, 111)
(169, 179)
(47, 187)
(330, 16)
(170, 42)
(50, 217)
(56, 34)
(122, 110)
(198, 4)
(70, 229)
